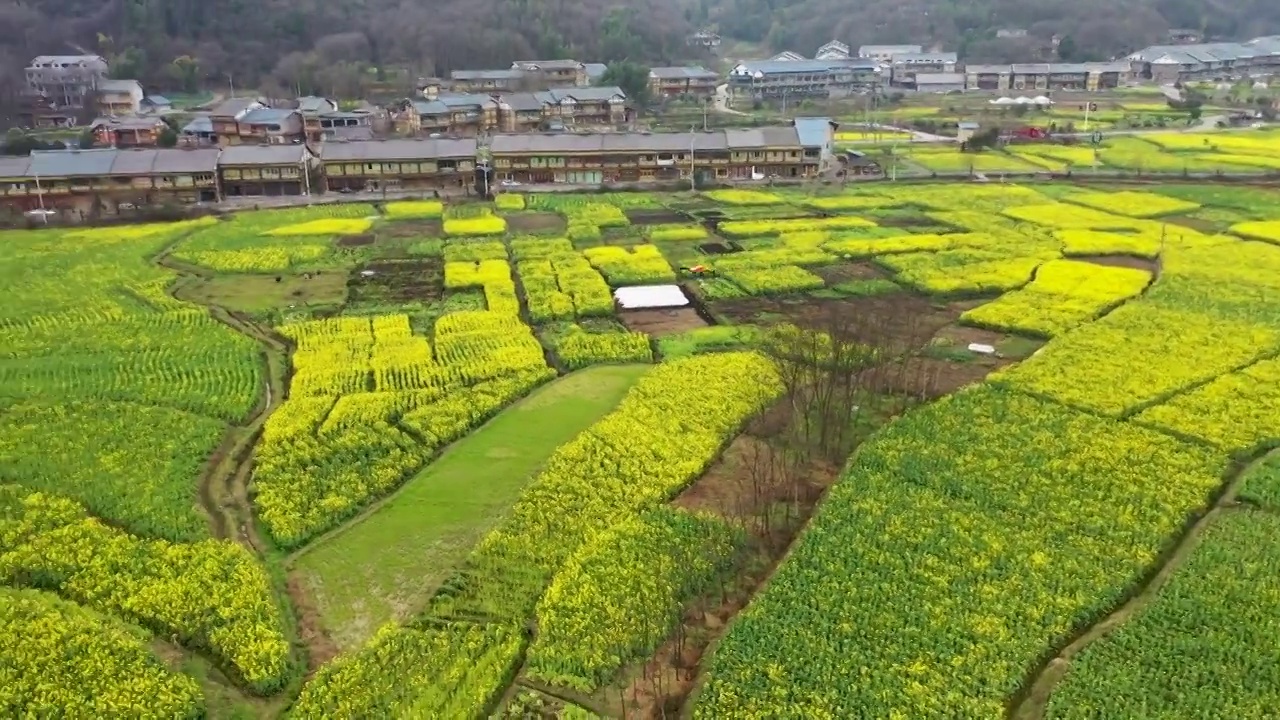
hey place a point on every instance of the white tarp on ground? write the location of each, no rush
(650, 296)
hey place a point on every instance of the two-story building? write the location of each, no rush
(489, 81)
(247, 170)
(225, 118)
(270, 126)
(554, 73)
(798, 79)
(834, 50)
(593, 159)
(60, 87)
(322, 119)
(84, 182)
(123, 132)
(373, 165)
(1043, 77)
(119, 97)
(904, 67)
(817, 137)
(696, 82)
(466, 114)
(885, 53)
(587, 106)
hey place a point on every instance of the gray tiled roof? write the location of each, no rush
(1205, 53)
(430, 107)
(267, 116)
(976, 69)
(813, 131)
(639, 142)
(199, 124)
(313, 104)
(92, 60)
(119, 86)
(676, 73)
(103, 162)
(465, 100)
(232, 107)
(399, 149)
(15, 167)
(589, 94)
(524, 102)
(923, 57)
(889, 49)
(546, 64)
(771, 67)
(940, 78)
(469, 75)
(178, 161)
(127, 122)
(262, 155)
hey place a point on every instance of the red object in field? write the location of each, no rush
(698, 269)
(1031, 133)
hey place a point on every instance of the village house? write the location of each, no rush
(938, 82)
(322, 119)
(60, 88)
(802, 78)
(123, 132)
(156, 104)
(694, 81)
(251, 170)
(904, 67)
(198, 132)
(509, 80)
(817, 136)
(119, 97)
(834, 50)
(554, 73)
(593, 159)
(87, 182)
(225, 118)
(425, 164)
(705, 39)
(272, 126)
(886, 53)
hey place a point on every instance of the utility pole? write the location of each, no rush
(693, 139)
(44, 215)
(232, 83)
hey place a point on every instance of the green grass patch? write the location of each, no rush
(715, 338)
(259, 295)
(384, 566)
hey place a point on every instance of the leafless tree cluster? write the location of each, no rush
(840, 372)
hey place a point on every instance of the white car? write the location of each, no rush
(510, 183)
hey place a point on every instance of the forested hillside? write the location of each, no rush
(324, 46)
(1098, 29)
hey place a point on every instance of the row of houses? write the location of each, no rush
(926, 72)
(473, 114)
(1207, 61)
(107, 180)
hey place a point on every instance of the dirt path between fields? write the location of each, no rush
(224, 483)
(1032, 700)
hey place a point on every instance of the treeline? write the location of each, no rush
(1089, 29)
(336, 48)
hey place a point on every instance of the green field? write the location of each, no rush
(414, 460)
(383, 566)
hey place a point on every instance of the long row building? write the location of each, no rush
(105, 181)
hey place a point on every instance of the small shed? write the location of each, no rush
(859, 163)
(966, 130)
